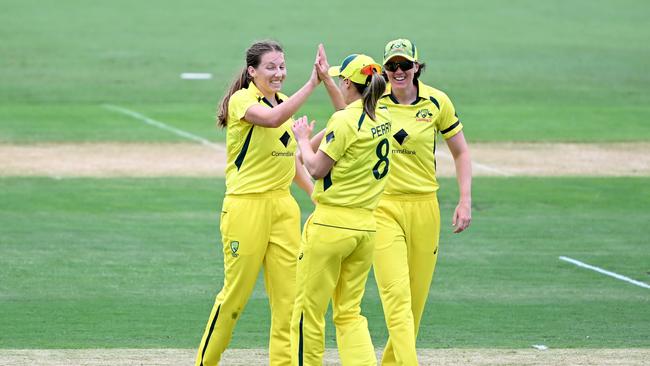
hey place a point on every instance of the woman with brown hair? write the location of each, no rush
(260, 220)
(408, 215)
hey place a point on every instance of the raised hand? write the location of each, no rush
(302, 129)
(321, 65)
(314, 78)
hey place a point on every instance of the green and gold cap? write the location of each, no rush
(400, 47)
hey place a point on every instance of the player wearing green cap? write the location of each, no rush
(408, 216)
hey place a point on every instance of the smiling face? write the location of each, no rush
(401, 79)
(269, 74)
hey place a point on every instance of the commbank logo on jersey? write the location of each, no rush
(285, 139)
(423, 115)
(234, 247)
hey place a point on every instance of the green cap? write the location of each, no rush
(400, 47)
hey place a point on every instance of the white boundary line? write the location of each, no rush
(490, 169)
(605, 272)
(196, 76)
(163, 126)
(475, 164)
(187, 135)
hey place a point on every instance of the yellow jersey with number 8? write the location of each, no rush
(361, 150)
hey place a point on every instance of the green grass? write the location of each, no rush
(516, 70)
(88, 263)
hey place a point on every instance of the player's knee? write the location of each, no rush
(396, 291)
(346, 317)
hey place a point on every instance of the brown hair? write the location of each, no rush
(416, 76)
(371, 92)
(254, 55)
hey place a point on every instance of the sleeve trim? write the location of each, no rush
(446, 130)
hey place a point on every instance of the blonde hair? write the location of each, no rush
(371, 92)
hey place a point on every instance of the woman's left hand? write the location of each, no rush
(302, 129)
(462, 216)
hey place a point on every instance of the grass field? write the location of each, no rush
(517, 70)
(135, 263)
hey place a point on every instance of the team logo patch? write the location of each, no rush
(285, 139)
(401, 46)
(234, 247)
(330, 137)
(423, 115)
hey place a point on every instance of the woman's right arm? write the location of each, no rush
(276, 116)
(315, 141)
(317, 163)
(322, 67)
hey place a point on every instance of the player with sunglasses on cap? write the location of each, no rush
(408, 215)
(350, 167)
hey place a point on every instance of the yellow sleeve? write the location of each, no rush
(239, 104)
(447, 122)
(338, 137)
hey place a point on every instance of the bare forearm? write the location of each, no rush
(308, 156)
(463, 164)
(288, 108)
(302, 179)
(315, 141)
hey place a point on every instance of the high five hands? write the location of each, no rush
(321, 65)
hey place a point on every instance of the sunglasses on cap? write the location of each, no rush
(402, 65)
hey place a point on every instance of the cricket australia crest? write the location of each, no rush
(234, 247)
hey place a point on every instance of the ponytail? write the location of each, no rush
(371, 92)
(240, 81)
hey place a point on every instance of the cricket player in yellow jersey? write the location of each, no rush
(351, 167)
(260, 220)
(408, 216)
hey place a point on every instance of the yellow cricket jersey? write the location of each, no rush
(259, 159)
(415, 126)
(360, 148)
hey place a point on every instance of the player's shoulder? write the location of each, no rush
(241, 96)
(344, 120)
(347, 114)
(383, 114)
(429, 92)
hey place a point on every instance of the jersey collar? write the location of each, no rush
(356, 104)
(261, 98)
